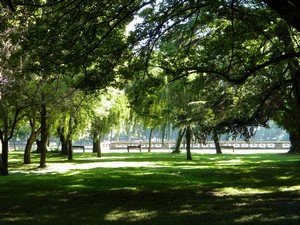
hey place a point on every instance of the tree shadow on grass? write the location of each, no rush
(182, 206)
(209, 190)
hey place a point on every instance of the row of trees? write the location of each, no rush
(229, 66)
(205, 67)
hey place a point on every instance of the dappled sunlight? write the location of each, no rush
(130, 215)
(188, 209)
(292, 188)
(264, 219)
(232, 191)
(66, 167)
(154, 189)
(230, 162)
(284, 177)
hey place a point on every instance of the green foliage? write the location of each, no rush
(237, 55)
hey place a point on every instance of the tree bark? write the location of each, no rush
(98, 147)
(150, 140)
(217, 143)
(70, 152)
(188, 136)
(28, 147)
(4, 158)
(44, 136)
(181, 133)
(64, 142)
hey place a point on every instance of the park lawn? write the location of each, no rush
(152, 188)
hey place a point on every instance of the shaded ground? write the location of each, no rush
(155, 188)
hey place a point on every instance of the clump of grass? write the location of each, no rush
(152, 188)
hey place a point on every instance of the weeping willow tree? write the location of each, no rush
(108, 114)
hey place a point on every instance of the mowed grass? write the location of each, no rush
(152, 188)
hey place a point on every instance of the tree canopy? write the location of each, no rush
(212, 67)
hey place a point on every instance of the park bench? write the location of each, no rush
(227, 147)
(134, 147)
(79, 147)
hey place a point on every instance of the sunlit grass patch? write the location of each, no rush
(240, 191)
(130, 216)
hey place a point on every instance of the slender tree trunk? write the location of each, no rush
(188, 136)
(181, 133)
(32, 138)
(29, 143)
(150, 140)
(44, 136)
(96, 141)
(4, 158)
(217, 142)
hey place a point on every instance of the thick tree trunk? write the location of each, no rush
(98, 147)
(64, 142)
(150, 140)
(4, 159)
(70, 152)
(217, 143)
(188, 137)
(181, 133)
(44, 136)
(295, 143)
(96, 143)
(64, 147)
(294, 103)
(296, 134)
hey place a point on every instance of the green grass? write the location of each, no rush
(152, 188)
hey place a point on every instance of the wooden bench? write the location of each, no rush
(134, 147)
(79, 147)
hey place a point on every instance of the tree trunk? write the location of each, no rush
(295, 143)
(70, 152)
(64, 142)
(150, 140)
(29, 143)
(94, 145)
(181, 133)
(294, 67)
(188, 136)
(44, 136)
(98, 147)
(217, 143)
(96, 141)
(296, 134)
(4, 159)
